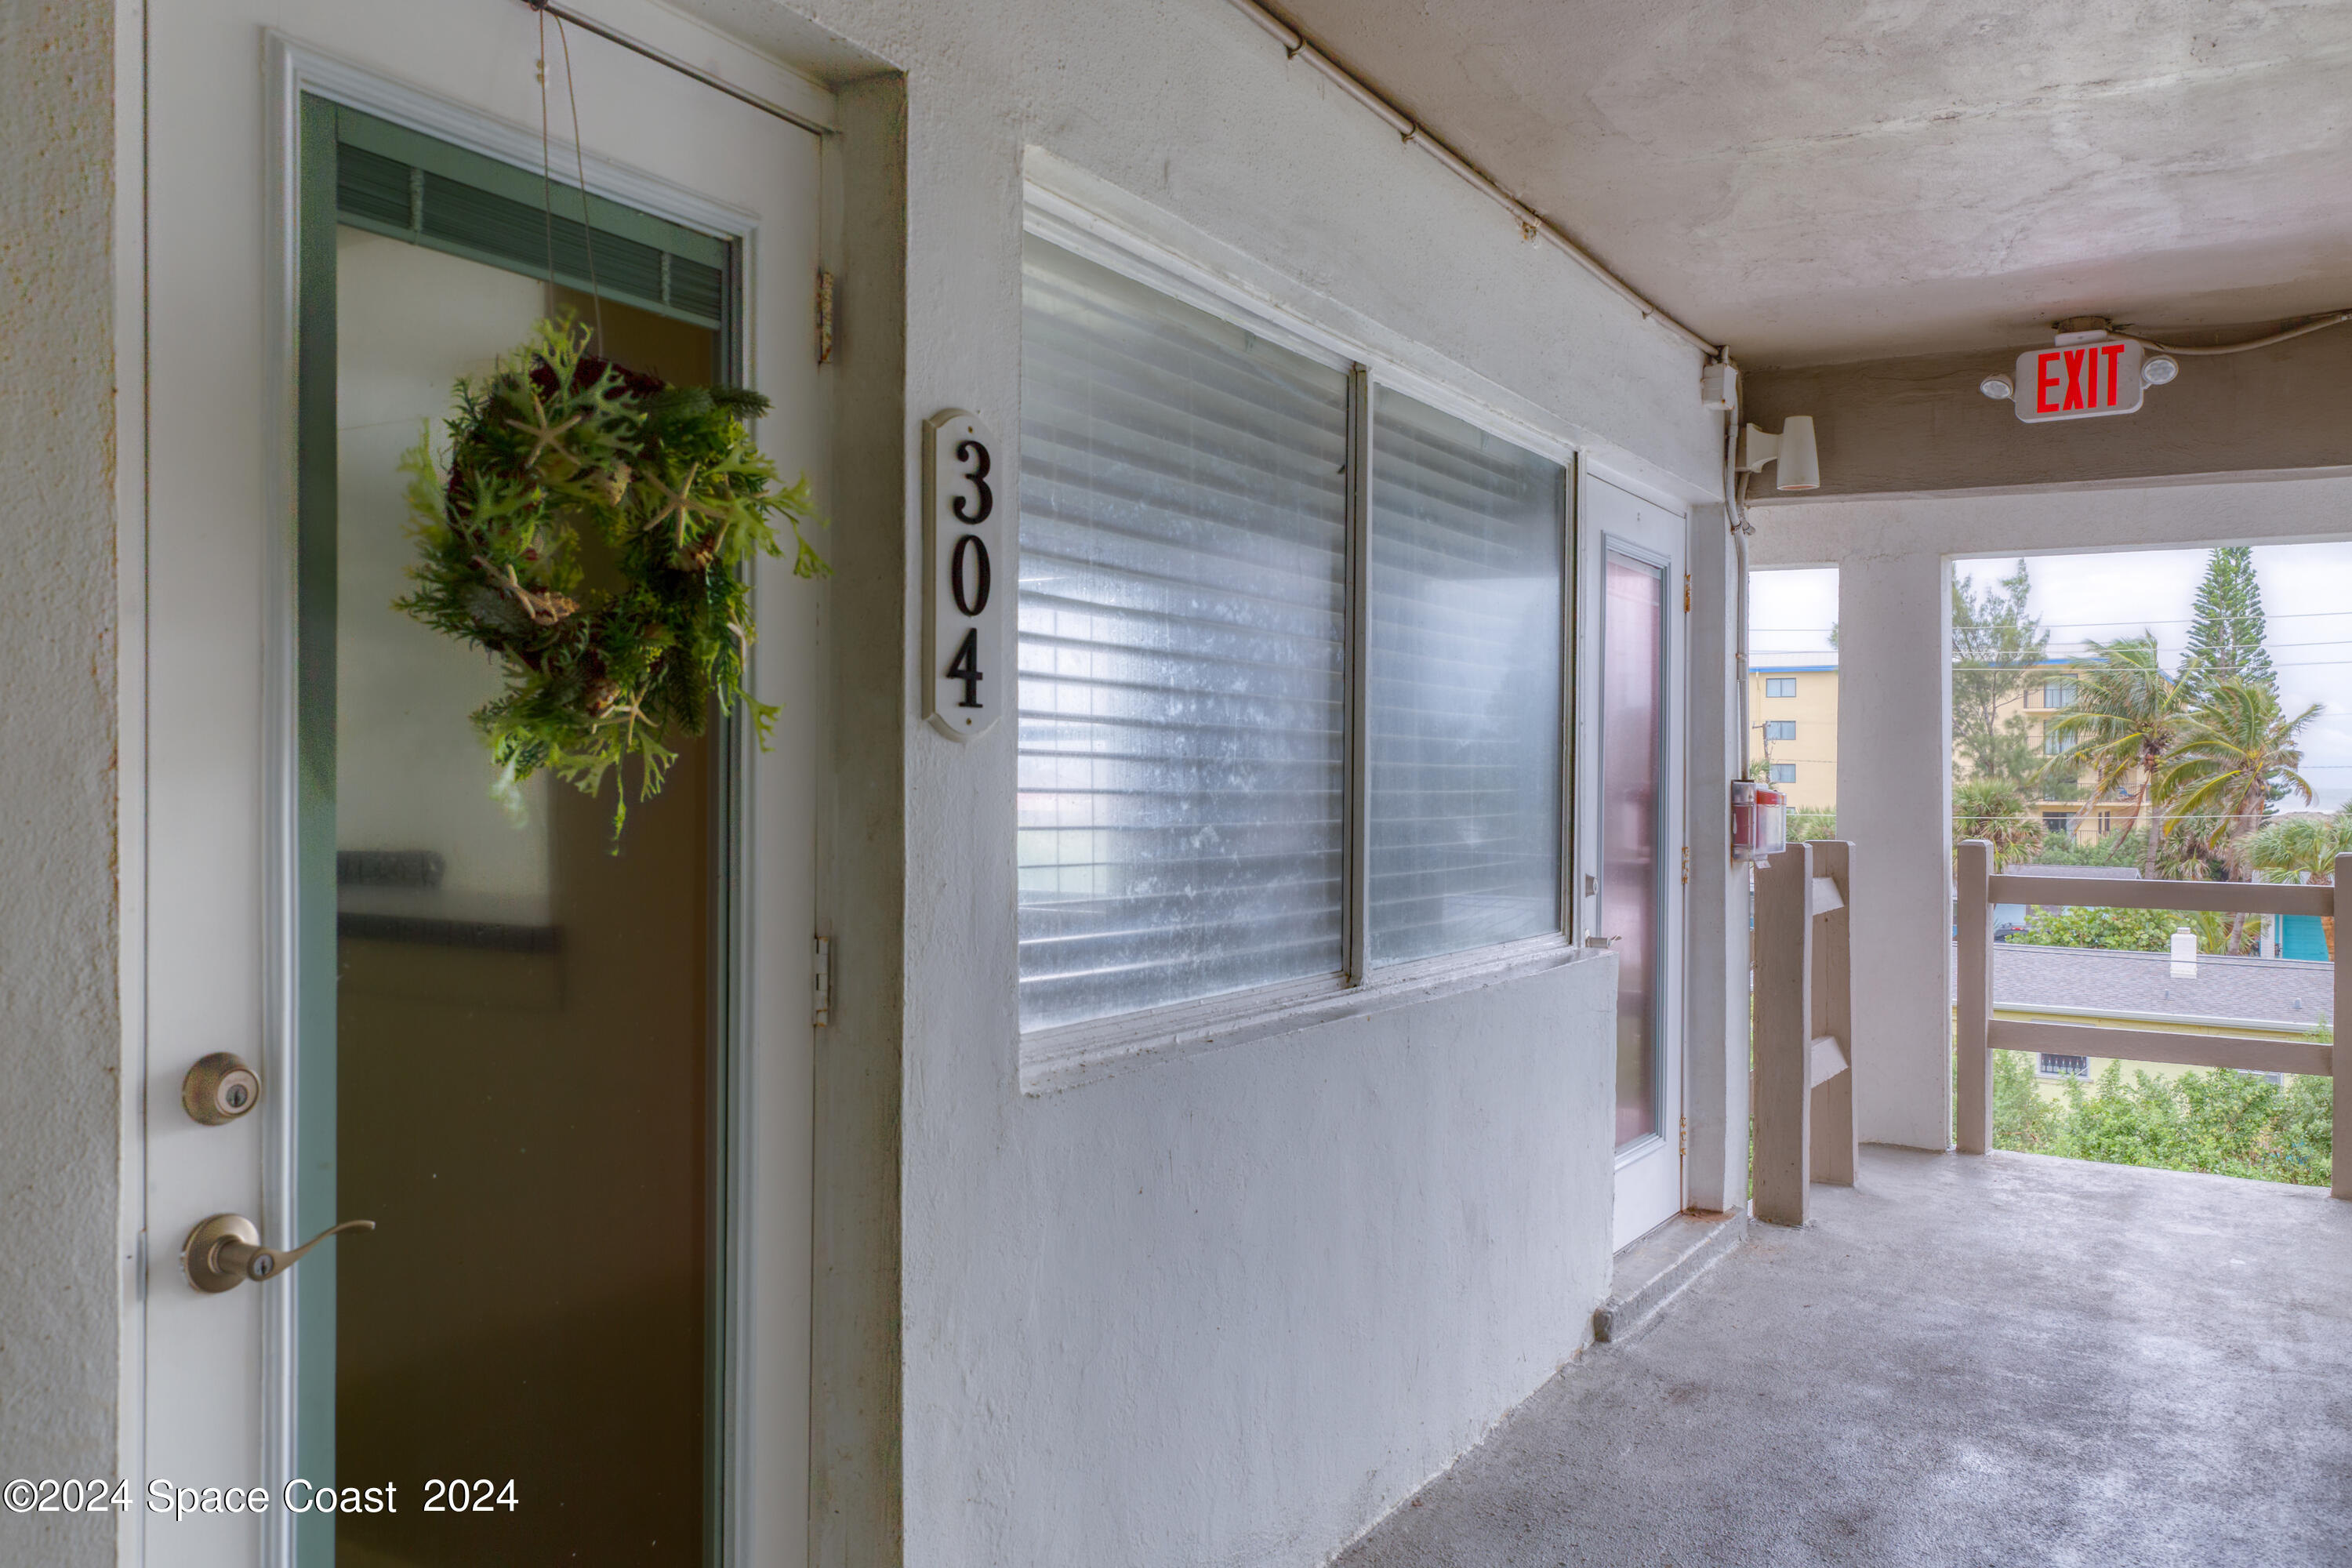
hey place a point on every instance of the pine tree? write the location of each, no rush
(2225, 643)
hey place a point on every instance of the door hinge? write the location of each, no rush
(1686, 592)
(823, 318)
(821, 1009)
(1682, 1137)
(1686, 865)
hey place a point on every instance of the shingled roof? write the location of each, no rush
(2278, 990)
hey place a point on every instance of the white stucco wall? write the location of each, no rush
(61, 1034)
(1231, 1309)
(1894, 778)
(1227, 1310)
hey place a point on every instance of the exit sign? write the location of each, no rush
(2084, 376)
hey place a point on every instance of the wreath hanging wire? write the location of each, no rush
(555, 442)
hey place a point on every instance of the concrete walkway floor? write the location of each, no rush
(2002, 1359)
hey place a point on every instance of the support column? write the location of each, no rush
(1894, 789)
(1714, 1037)
(1784, 1023)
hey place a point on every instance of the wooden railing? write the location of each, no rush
(1981, 1034)
(1804, 1028)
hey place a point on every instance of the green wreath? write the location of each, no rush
(555, 445)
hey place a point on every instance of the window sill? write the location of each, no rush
(1075, 1054)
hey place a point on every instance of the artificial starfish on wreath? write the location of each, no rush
(555, 444)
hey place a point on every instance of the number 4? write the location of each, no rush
(965, 667)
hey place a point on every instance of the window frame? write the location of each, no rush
(1783, 773)
(1057, 1055)
(1779, 728)
(1772, 680)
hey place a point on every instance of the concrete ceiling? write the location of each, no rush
(1815, 181)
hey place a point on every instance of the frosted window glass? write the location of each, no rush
(1183, 610)
(1465, 742)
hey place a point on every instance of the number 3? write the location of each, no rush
(972, 452)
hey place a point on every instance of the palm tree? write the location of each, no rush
(2237, 746)
(2127, 717)
(1994, 811)
(2306, 846)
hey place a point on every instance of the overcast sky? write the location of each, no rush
(2306, 593)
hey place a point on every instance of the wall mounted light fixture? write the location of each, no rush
(1792, 448)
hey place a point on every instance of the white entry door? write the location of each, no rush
(544, 1064)
(1629, 560)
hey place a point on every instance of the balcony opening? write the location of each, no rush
(2174, 714)
(1793, 692)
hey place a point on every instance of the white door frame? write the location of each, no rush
(207, 1385)
(1649, 1171)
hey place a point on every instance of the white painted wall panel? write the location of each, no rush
(1232, 1309)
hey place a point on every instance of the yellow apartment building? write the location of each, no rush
(2046, 699)
(1792, 712)
(1792, 716)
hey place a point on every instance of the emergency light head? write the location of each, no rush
(2159, 369)
(1997, 387)
(1792, 448)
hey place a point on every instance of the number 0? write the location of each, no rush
(976, 600)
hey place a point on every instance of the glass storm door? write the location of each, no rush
(523, 1048)
(521, 1068)
(1630, 562)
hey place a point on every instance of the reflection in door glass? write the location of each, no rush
(523, 1035)
(1633, 721)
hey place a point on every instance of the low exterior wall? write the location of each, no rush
(1233, 1308)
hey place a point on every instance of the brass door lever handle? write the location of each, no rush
(225, 1251)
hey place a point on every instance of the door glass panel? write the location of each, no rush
(1632, 732)
(523, 1041)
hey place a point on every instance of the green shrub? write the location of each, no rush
(2130, 931)
(2228, 1123)
(2135, 930)
(2022, 1116)
(2124, 849)
(1810, 822)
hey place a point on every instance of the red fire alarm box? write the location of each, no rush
(1759, 821)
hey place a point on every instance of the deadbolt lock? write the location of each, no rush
(219, 1089)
